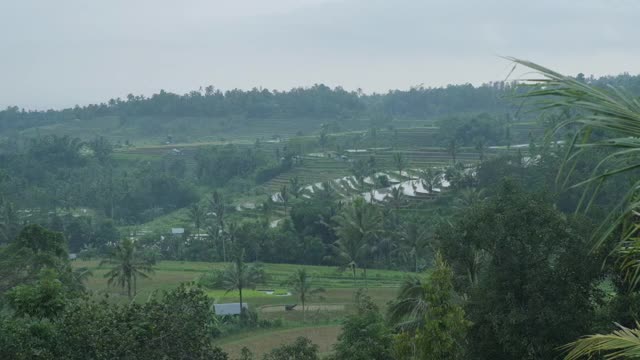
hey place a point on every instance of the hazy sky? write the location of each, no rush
(66, 52)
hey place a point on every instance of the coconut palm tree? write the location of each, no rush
(325, 191)
(407, 311)
(623, 343)
(8, 221)
(481, 146)
(267, 208)
(410, 310)
(611, 111)
(239, 276)
(296, 188)
(197, 215)
(400, 162)
(126, 267)
(358, 230)
(302, 286)
(616, 115)
(323, 138)
(413, 241)
(218, 207)
(430, 178)
(284, 195)
(452, 149)
(468, 197)
(396, 199)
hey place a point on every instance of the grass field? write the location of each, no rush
(339, 285)
(261, 341)
(323, 314)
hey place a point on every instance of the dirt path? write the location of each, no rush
(309, 308)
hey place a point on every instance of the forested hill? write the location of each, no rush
(316, 102)
(235, 112)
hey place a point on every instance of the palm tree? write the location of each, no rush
(616, 115)
(8, 221)
(325, 191)
(238, 276)
(301, 284)
(296, 187)
(323, 138)
(4, 227)
(4, 232)
(218, 207)
(611, 111)
(452, 149)
(399, 161)
(284, 195)
(468, 197)
(267, 208)
(623, 343)
(413, 241)
(407, 311)
(197, 215)
(126, 267)
(430, 178)
(359, 227)
(79, 277)
(362, 168)
(481, 146)
(396, 199)
(214, 235)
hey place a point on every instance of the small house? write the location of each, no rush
(229, 308)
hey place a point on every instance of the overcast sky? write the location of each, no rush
(67, 52)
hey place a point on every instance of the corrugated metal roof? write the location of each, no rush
(229, 308)
(179, 231)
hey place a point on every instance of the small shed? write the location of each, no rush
(229, 308)
(177, 231)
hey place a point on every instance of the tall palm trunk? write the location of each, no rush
(366, 284)
(224, 247)
(303, 310)
(353, 270)
(224, 250)
(240, 290)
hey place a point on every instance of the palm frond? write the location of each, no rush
(610, 110)
(623, 343)
(407, 311)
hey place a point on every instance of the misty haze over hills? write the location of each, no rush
(73, 52)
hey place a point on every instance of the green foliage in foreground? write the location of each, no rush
(178, 325)
(441, 335)
(535, 283)
(608, 122)
(365, 336)
(623, 343)
(301, 349)
(46, 315)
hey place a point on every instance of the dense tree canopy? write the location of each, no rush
(526, 269)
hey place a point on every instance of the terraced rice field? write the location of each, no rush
(319, 169)
(312, 170)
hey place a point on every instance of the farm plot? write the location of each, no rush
(261, 342)
(340, 285)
